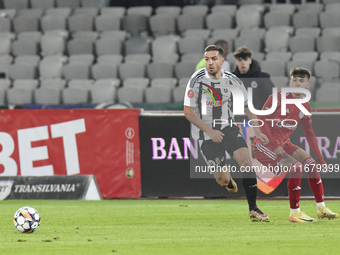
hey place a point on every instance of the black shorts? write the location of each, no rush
(215, 152)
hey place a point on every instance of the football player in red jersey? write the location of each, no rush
(281, 152)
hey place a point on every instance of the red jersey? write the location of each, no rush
(278, 128)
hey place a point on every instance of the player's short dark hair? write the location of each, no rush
(300, 72)
(214, 48)
(243, 52)
(221, 42)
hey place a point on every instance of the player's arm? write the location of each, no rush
(215, 135)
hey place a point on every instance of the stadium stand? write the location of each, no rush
(108, 44)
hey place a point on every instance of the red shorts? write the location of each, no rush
(265, 153)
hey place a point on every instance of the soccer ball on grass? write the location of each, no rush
(26, 219)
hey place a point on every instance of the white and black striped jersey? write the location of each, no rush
(212, 100)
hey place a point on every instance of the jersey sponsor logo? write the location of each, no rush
(191, 93)
(253, 84)
(211, 95)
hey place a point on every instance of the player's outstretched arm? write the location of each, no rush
(215, 135)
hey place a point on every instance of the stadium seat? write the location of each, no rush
(35, 13)
(334, 6)
(219, 21)
(135, 24)
(286, 7)
(103, 91)
(160, 70)
(51, 67)
(136, 82)
(328, 43)
(52, 45)
(87, 35)
(330, 55)
(230, 41)
(312, 7)
(192, 57)
(107, 23)
(249, 16)
(87, 59)
(16, 4)
(5, 24)
(25, 47)
(168, 10)
(52, 22)
(19, 96)
(89, 11)
(116, 34)
(68, 3)
(80, 22)
(190, 21)
(116, 11)
(300, 63)
(60, 32)
(26, 83)
(254, 32)
(65, 11)
(162, 24)
(164, 49)
(47, 96)
(25, 23)
(331, 31)
(200, 10)
(281, 55)
(201, 33)
(42, 4)
(330, 19)
(309, 31)
(231, 33)
(310, 56)
(24, 59)
(113, 59)
(178, 94)
(277, 18)
(22, 71)
(158, 95)
(104, 46)
(274, 67)
(139, 58)
(76, 71)
(58, 84)
(259, 56)
(10, 13)
(280, 81)
(327, 69)
(185, 69)
(253, 43)
(80, 83)
(104, 71)
(75, 96)
(79, 46)
(5, 62)
(164, 82)
(131, 70)
(276, 39)
(301, 43)
(90, 3)
(328, 93)
(131, 94)
(229, 10)
(137, 45)
(30, 36)
(139, 10)
(191, 45)
(4, 85)
(183, 82)
(306, 19)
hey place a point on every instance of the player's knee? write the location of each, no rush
(286, 161)
(223, 181)
(244, 162)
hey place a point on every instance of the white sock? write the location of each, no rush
(295, 210)
(320, 204)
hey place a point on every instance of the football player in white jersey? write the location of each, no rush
(207, 105)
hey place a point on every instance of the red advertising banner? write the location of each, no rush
(102, 142)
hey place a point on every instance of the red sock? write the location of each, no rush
(294, 184)
(314, 179)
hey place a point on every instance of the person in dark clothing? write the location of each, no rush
(249, 71)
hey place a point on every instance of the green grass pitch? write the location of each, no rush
(167, 227)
